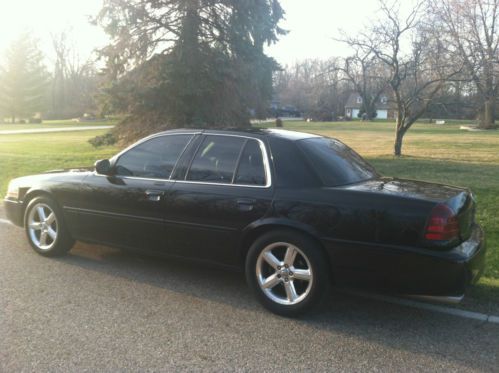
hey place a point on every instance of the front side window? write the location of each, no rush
(154, 158)
(216, 159)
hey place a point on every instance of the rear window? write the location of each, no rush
(334, 162)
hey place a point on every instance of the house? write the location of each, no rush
(384, 109)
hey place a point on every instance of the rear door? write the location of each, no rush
(225, 187)
(126, 209)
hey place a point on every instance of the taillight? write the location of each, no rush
(442, 225)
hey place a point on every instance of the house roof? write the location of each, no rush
(353, 104)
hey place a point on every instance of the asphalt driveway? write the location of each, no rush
(100, 309)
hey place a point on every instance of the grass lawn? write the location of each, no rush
(55, 124)
(440, 153)
(32, 153)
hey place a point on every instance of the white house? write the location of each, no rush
(354, 104)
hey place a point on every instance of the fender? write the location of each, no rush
(250, 232)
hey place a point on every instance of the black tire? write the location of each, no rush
(63, 241)
(313, 256)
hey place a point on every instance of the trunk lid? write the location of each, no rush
(459, 200)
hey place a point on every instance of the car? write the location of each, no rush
(296, 212)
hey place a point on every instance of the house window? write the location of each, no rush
(359, 100)
(384, 100)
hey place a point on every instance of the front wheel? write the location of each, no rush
(45, 227)
(288, 272)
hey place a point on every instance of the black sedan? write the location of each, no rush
(296, 211)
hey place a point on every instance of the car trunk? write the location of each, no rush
(459, 200)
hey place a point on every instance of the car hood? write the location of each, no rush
(413, 189)
(28, 181)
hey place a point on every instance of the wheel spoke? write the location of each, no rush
(50, 218)
(271, 281)
(35, 225)
(41, 213)
(43, 238)
(290, 291)
(302, 274)
(271, 259)
(289, 257)
(52, 233)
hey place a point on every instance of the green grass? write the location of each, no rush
(31, 153)
(55, 124)
(440, 153)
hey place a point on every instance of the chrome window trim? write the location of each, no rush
(263, 149)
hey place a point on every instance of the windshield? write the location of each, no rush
(336, 163)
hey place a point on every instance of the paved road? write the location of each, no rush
(55, 129)
(99, 309)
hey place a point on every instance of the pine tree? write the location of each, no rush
(23, 80)
(179, 63)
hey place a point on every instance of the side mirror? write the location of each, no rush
(103, 167)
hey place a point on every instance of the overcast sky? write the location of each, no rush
(312, 24)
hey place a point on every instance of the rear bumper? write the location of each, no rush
(14, 211)
(472, 254)
(411, 271)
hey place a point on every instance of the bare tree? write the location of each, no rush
(416, 60)
(471, 31)
(367, 75)
(313, 86)
(74, 83)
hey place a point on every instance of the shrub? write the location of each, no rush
(103, 140)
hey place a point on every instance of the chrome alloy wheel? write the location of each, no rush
(42, 226)
(284, 273)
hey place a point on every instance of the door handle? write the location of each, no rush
(246, 204)
(154, 195)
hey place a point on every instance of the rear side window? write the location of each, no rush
(335, 162)
(154, 158)
(251, 170)
(216, 159)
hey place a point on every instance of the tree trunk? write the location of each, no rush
(397, 150)
(487, 115)
(399, 133)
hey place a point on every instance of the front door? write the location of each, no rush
(126, 209)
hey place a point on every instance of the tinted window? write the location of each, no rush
(216, 159)
(251, 170)
(154, 158)
(185, 159)
(334, 162)
(291, 167)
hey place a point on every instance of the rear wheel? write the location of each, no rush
(45, 227)
(287, 271)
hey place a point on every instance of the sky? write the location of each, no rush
(312, 25)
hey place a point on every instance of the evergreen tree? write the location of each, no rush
(23, 80)
(177, 63)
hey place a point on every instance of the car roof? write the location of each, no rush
(251, 132)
